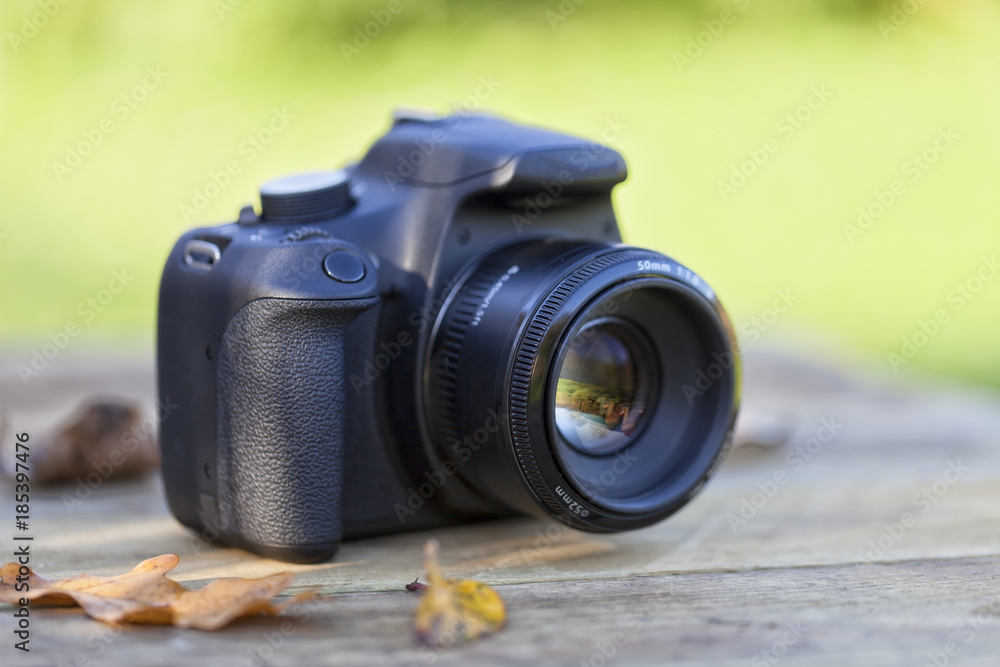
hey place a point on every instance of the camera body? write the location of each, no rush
(319, 355)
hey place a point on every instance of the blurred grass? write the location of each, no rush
(683, 132)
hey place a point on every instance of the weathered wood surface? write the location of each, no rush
(823, 556)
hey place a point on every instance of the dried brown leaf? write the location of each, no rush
(106, 438)
(146, 595)
(223, 600)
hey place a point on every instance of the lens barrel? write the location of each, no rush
(590, 383)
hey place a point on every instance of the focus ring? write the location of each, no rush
(461, 314)
(524, 359)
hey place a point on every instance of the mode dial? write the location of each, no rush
(304, 197)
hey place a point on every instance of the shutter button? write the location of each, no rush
(344, 266)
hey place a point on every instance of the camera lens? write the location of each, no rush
(594, 384)
(602, 387)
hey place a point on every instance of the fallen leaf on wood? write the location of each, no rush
(454, 610)
(225, 600)
(146, 595)
(109, 439)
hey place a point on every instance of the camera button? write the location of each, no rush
(344, 266)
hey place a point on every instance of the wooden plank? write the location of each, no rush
(868, 615)
(823, 544)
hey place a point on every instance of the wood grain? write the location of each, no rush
(825, 551)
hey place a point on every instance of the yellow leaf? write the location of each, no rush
(455, 610)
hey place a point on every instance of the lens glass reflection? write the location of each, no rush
(603, 388)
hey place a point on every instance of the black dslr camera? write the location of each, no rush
(448, 330)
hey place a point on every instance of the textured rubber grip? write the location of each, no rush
(281, 423)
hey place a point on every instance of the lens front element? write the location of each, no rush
(603, 388)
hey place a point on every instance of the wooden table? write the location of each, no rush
(823, 572)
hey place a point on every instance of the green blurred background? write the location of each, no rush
(227, 65)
